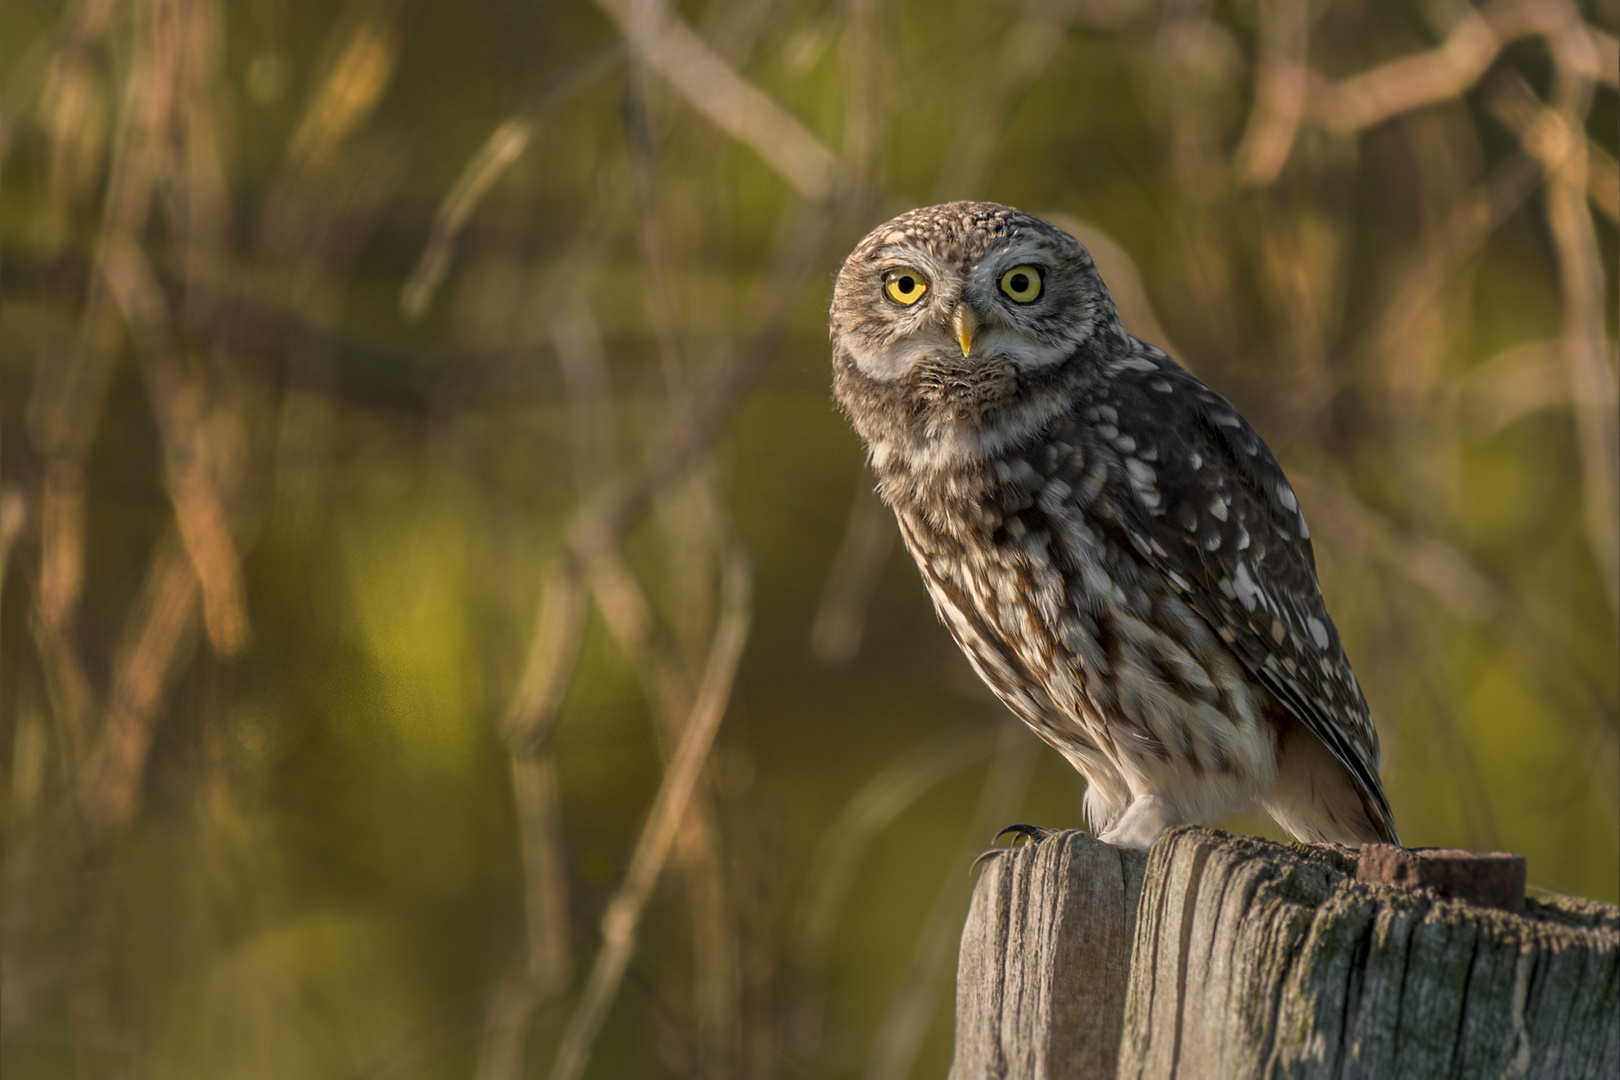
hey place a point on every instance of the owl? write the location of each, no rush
(1112, 545)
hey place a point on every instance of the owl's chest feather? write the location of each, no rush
(1018, 559)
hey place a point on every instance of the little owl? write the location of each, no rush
(1113, 546)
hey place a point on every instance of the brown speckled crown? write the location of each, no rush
(960, 229)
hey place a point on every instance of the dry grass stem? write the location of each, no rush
(840, 622)
(353, 85)
(505, 145)
(830, 881)
(685, 443)
(658, 834)
(545, 911)
(109, 786)
(629, 617)
(1027, 50)
(917, 1002)
(549, 665)
(180, 411)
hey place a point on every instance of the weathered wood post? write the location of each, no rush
(1228, 957)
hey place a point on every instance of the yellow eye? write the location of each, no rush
(904, 286)
(1022, 283)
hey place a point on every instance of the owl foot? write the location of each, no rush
(1033, 834)
(1143, 822)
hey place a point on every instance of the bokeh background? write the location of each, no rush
(447, 629)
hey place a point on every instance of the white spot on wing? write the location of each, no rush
(1318, 631)
(1244, 584)
(1133, 364)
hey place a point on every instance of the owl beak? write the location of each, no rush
(966, 324)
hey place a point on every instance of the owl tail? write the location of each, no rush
(1317, 800)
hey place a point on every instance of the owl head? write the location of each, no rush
(956, 328)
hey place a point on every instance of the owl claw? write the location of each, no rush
(988, 853)
(1034, 834)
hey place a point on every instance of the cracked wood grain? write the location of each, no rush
(1256, 959)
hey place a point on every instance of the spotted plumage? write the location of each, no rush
(1111, 544)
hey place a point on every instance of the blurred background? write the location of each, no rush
(447, 629)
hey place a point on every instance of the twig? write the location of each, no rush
(658, 834)
(840, 622)
(505, 145)
(596, 527)
(1027, 50)
(1186, 53)
(894, 1049)
(1546, 136)
(545, 917)
(1516, 382)
(1591, 379)
(864, 53)
(549, 665)
(1413, 289)
(198, 506)
(843, 848)
(1452, 68)
(108, 787)
(70, 391)
(107, 790)
(353, 85)
(1279, 92)
(732, 103)
(629, 617)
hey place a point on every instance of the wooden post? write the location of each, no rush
(1253, 959)
(1045, 959)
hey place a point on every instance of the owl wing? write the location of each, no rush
(1210, 508)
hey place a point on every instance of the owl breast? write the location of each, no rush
(1092, 648)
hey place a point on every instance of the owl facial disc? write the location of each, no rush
(939, 292)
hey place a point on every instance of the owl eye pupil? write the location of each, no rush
(1022, 284)
(904, 287)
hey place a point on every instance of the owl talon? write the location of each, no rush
(1034, 834)
(986, 854)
